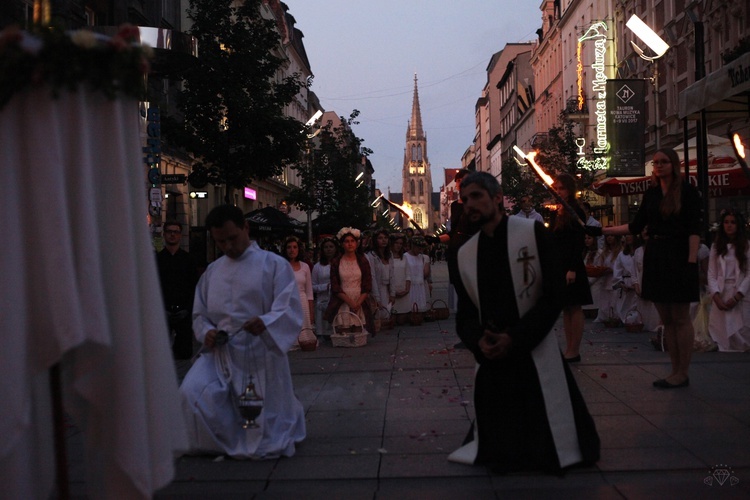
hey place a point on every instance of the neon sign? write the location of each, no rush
(597, 33)
(583, 163)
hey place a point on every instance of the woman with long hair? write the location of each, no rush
(292, 253)
(569, 236)
(351, 283)
(728, 284)
(380, 259)
(672, 211)
(321, 281)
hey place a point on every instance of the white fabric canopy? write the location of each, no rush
(80, 287)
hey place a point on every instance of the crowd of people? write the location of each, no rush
(510, 278)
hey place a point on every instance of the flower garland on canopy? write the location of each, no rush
(64, 60)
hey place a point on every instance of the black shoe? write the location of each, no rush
(663, 384)
(574, 359)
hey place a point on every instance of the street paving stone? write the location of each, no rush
(382, 419)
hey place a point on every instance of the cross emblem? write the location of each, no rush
(529, 274)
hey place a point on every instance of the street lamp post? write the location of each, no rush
(660, 47)
(308, 158)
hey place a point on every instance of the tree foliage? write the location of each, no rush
(328, 183)
(556, 153)
(232, 103)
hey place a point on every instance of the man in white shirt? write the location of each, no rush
(527, 210)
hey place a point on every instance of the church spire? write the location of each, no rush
(415, 124)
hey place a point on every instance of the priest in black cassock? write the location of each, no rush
(530, 415)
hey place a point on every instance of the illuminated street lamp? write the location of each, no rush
(659, 47)
(648, 36)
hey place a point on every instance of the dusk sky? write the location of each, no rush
(364, 54)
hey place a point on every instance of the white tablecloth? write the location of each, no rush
(80, 287)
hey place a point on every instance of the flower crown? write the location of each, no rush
(347, 230)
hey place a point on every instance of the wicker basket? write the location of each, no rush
(384, 317)
(633, 321)
(307, 340)
(416, 316)
(429, 315)
(400, 318)
(612, 320)
(348, 336)
(441, 312)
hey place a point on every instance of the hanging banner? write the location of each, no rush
(626, 127)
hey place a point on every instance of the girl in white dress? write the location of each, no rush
(399, 281)
(303, 277)
(622, 273)
(607, 260)
(417, 266)
(590, 257)
(728, 284)
(321, 280)
(380, 259)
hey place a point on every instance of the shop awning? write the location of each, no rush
(724, 92)
(271, 220)
(722, 182)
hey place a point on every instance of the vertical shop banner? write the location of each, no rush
(626, 126)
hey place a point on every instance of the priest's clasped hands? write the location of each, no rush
(495, 345)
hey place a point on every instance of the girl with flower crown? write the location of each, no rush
(351, 283)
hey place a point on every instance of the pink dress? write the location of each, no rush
(351, 283)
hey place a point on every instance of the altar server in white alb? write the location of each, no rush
(251, 294)
(530, 415)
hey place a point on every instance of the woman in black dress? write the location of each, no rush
(671, 210)
(569, 236)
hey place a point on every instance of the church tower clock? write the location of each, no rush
(417, 179)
